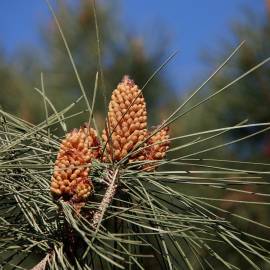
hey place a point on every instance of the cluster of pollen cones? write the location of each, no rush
(125, 136)
(70, 178)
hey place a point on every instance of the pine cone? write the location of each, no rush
(127, 120)
(70, 179)
(156, 148)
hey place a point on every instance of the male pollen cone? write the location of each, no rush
(156, 148)
(70, 178)
(127, 120)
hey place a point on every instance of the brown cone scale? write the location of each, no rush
(126, 120)
(70, 178)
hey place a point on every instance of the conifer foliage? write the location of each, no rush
(126, 197)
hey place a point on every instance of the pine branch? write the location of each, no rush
(42, 264)
(112, 178)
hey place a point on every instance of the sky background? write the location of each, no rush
(191, 26)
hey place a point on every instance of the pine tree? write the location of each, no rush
(94, 198)
(119, 52)
(250, 98)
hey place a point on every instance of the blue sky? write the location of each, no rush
(190, 25)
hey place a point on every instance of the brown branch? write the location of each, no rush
(42, 264)
(111, 180)
(107, 198)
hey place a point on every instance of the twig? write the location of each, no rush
(42, 264)
(111, 180)
(107, 198)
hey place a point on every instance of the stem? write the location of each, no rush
(42, 264)
(111, 179)
(107, 198)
